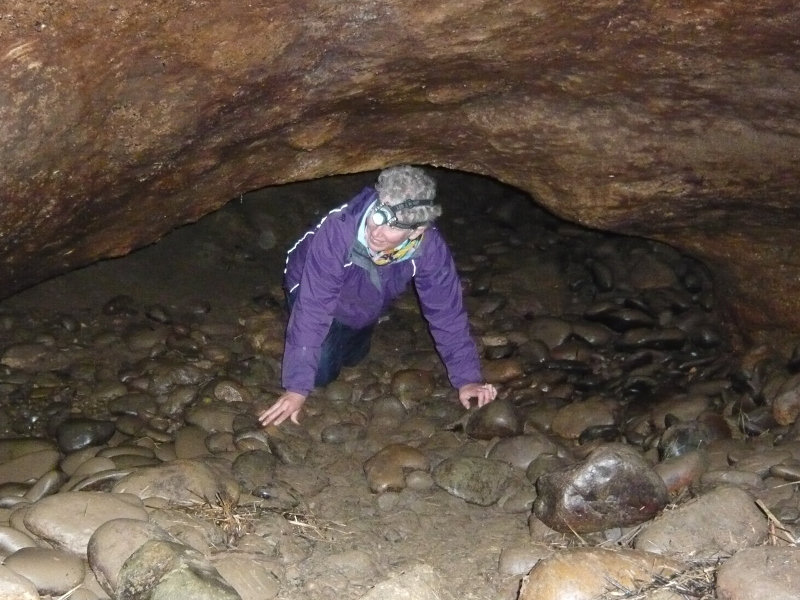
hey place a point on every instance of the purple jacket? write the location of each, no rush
(333, 278)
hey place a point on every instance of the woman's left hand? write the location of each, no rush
(484, 392)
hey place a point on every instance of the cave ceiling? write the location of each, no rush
(676, 121)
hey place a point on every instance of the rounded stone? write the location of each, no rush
(53, 572)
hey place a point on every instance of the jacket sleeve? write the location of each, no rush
(314, 305)
(439, 290)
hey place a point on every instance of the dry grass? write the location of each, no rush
(237, 520)
(696, 582)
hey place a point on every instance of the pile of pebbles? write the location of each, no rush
(628, 445)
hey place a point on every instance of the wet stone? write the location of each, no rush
(618, 319)
(231, 391)
(520, 450)
(12, 539)
(53, 572)
(670, 338)
(190, 442)
(496, 419)
(80, 432)
(613, 487)
(788, 470)
(339, 433)
(143, 405)
(683, 438)
(545, 463)
(385, 471)
(725, 477)
(502, 370)
(25, 356)
(683, 471)
(212, 417)
(549, 330)
(200, 534)
(412, 385)
(476, 480)
(572, 420)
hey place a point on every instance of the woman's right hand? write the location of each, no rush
(286, 407)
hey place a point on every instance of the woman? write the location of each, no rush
(343, 275)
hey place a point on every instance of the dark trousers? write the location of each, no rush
(344, 346)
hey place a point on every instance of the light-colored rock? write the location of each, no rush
(183, 481)
(385, 471)
(420, 582)
(718, 523)
(114, 542)
(53, 572)
(69, 519)
(168, 571)
(16, 587)
(29, 466)
(763, 573)
(588, 573)
(252, 579)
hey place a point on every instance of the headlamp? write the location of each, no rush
(384, 214)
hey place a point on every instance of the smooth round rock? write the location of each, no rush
(520, 450)
(67, 520)
(16, 587)
(53, 572)
(496, 419)
(613, 487)
(114, 542)
(79, 432)
(385, 470)
(29, 466)
(12, 539)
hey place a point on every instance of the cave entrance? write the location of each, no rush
(117, 372)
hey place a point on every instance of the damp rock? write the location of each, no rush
(613, 487)
(385, 471)
(496, 419)
(412, 385)
(78, 433)
(520, 450)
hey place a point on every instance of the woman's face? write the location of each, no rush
(383, 238)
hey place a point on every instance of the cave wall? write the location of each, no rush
(671, 120)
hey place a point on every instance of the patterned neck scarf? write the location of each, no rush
(402, 252)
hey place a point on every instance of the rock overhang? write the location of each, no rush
(121, 122)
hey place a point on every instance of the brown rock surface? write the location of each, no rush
(120, 122)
